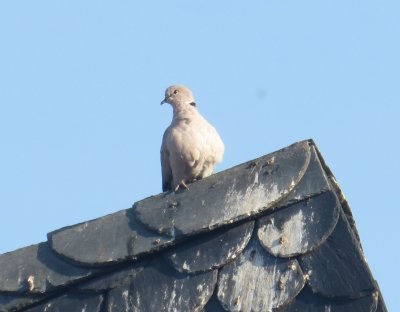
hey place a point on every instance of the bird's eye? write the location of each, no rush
(176, 92)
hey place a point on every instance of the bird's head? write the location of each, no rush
(178, 95)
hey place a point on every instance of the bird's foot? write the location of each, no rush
(182, 184)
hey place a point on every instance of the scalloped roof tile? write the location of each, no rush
(272, 234)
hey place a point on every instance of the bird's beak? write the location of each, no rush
(163, 101)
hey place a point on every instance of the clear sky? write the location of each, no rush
(81, 83)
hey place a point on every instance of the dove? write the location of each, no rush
(191, 146)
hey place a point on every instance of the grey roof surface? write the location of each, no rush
(272, 234)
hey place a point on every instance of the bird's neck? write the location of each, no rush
(183, 111)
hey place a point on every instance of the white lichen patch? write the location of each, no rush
(256, 282)
(186, 266)
(48, 306)
(251, 200)
(327, 308)
(173, 302)
(82, 227)
(203, 294)
(125, 298)
(294, 230)
(255, 178)
(288, 239)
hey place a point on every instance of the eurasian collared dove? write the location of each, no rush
(191, 146)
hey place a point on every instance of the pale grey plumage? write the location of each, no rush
(191, 146)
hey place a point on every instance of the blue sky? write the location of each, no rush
(81, 83)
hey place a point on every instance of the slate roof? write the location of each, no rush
(272, 234)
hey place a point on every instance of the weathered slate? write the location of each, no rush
(306, 301)
(159, 288)
(338, 267)
(71, 302)
(210, 250)
(257, 281)
(213, 305)
(113, 279)
(36, 269)
(228, 196)
(106, 240)
(313, 182)
(299, 228)
(164, 254)
(12, 302)
(381, 304)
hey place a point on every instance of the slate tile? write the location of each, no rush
(210, 250)
(338, 268)
(257, 281)
(158, 288)
(213, 305)
(342, 199)
(12, 302)
(299, 228)
(314, 181)
(71, 303)
(250, 279)
(381, 304)
(306, 301)
(106, 240)
(228, 196)
(113, 279)
(36, 269)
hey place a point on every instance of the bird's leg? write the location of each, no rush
(181, 184)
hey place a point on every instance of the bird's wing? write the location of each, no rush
(165, 165)
(213, 142)
(217, 144)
